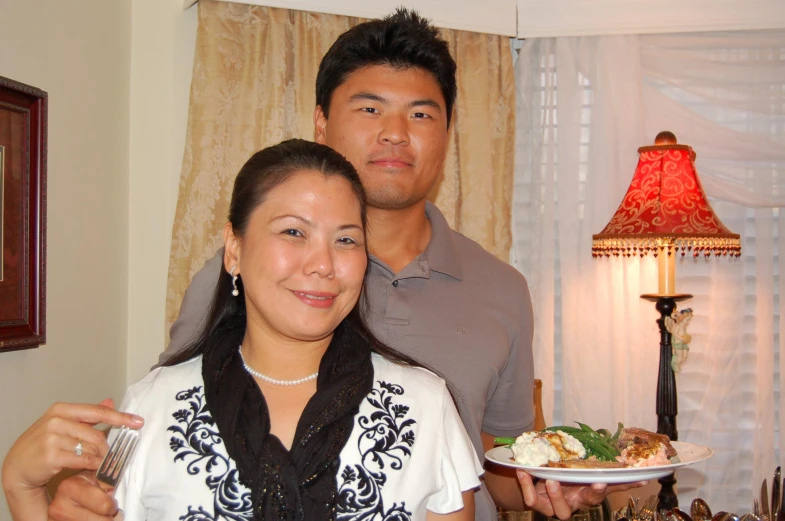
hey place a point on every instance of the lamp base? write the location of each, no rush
(667, 407)
(676, 297)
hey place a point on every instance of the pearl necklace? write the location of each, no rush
(273, 381)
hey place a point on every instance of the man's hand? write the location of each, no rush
(82, 498)
(556, 500)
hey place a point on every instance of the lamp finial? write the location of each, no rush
(665, 138)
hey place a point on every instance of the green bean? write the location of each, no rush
(586, 428)
(610, 450)
(565, 429)
(596, 446)
(598, 451)
(617, 433)
(604, 452)
(503, 441)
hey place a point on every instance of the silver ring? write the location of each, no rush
(78, 448)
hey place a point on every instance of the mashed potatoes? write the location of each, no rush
(535, 449)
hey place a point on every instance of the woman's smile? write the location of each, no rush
(316, 299)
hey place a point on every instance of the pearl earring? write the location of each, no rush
(235, 291)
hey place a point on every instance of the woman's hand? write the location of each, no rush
(49, 446)
(556, 500)
(82, 498)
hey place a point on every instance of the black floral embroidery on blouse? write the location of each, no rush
(194, 441)
(385, 441)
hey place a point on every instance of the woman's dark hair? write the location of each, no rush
(266, 170)
(402, 40)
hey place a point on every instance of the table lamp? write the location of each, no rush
(665, 213)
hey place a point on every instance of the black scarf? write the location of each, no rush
(300, 484)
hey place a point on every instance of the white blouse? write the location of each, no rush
(408, 452)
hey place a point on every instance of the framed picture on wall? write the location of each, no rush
(23, 130)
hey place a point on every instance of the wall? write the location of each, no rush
(79, 52)
(162, 50)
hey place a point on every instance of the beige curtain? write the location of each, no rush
(253, 86)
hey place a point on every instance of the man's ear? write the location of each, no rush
(319, 125)
(231, 249)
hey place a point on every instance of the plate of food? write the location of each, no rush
(583, 455)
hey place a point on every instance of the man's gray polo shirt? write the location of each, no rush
(455, 308)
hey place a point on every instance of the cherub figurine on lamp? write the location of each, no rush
(677, 326)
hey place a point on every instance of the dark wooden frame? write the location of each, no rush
(23, 216)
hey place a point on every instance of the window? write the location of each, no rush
(585, 105)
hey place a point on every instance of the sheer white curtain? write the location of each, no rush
(585, 105)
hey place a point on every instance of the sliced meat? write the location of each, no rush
(633, 436)
(586, 464)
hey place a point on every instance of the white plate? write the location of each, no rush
(687, 455)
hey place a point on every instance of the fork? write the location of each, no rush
(118, 457)
(649, 508)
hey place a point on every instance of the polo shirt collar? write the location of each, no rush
(441, 254)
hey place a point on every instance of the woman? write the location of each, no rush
(287, 407)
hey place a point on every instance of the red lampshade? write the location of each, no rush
(665, 207)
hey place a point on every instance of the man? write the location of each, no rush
(385, 93)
